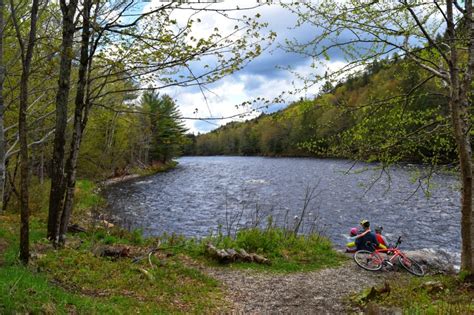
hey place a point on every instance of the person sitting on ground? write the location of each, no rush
(383, 244)
(351, 246)
(366, 239)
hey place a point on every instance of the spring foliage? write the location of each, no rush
(372, 115)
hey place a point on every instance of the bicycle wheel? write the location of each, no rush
(368, 260)
(411, 266)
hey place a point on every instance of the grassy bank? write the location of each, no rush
(286, 251)
(154, 168)
(438, 294)
(76, 279)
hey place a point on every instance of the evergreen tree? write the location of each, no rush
(167, 129)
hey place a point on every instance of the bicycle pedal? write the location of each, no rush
(387, 263)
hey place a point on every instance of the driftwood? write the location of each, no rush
(232, 255)
(112, 251)
(75, 228)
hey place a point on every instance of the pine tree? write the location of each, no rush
(167, 129)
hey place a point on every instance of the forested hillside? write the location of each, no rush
(392, 111)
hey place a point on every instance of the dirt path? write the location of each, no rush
(319, 292)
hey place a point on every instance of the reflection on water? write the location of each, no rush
(198, 196)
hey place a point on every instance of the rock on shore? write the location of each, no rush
(434, 261)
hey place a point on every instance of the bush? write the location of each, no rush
(267, 241)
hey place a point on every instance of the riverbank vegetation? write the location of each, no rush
(439, 294)
(154, 275)
(168, 274)
(285, 251)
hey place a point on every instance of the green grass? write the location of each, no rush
(414, 296)
(23, 290)
(86, 196)
(74, 280)
(287, 252)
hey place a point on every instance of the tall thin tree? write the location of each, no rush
(62, 98)
(2, 105)
(26, 50)
(80, 121)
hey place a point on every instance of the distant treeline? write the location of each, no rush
(389, 112)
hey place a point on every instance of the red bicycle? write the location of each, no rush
(375, 260)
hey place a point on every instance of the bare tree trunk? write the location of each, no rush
(459, 106)
(56, 196)
(2, 105)
(10, 184)
(80, 121)
(26, 57)
(461, 131)
(41, 166)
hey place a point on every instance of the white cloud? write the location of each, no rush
(260, 79)
(236, 89)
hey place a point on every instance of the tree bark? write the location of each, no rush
(80, 121)
(56, 196)
(461, 131)
(26, 57)
(459, 106)
(2, 106)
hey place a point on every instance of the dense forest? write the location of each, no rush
(388, 112)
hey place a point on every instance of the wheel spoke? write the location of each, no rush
(368, 260)
(411, 266)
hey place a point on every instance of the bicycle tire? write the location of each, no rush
(411, 266)
(368, 260)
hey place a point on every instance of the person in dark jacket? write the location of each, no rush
(366, 239)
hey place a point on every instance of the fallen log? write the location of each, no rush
(231, 255)
(76, 228)
(112, 251)
(260, 259)
(245, 256)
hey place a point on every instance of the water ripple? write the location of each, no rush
(192, 199)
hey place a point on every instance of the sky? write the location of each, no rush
(266, 76)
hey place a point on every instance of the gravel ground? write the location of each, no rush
(319, 292)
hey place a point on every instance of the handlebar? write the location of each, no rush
(399, 241)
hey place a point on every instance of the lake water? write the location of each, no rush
(203, 193)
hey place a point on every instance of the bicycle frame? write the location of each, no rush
(393, 250)
(375, 260)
